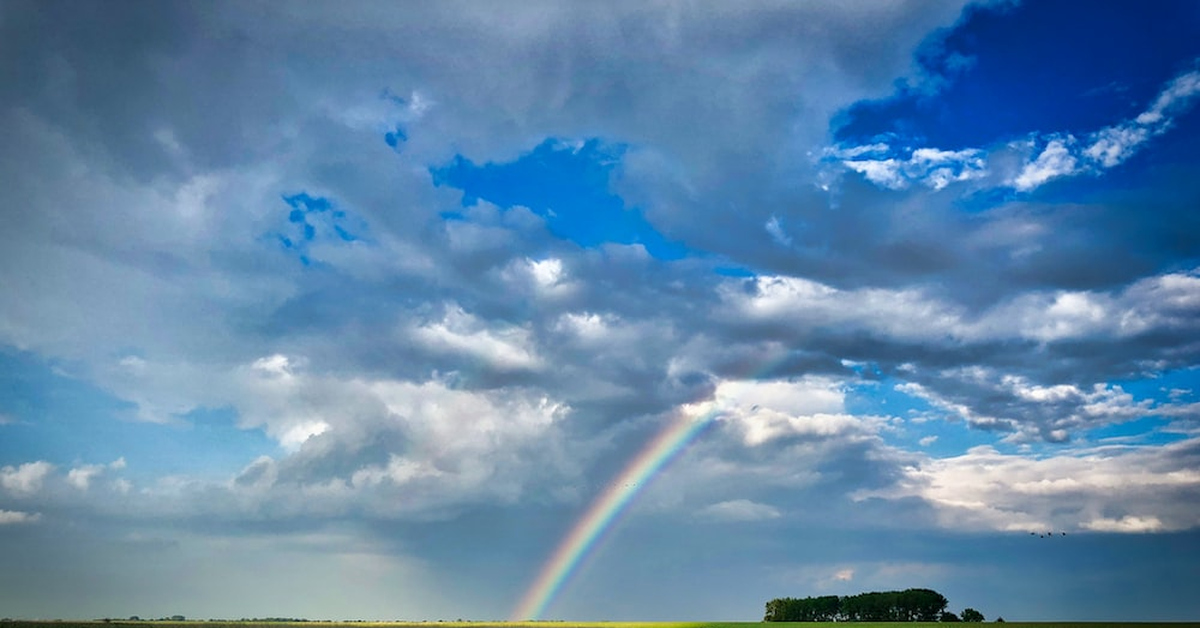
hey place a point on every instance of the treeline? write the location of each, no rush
(907, 605)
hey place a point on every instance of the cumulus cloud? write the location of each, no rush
(1112, 489)
(81, 477)
(411, 450)
(26, 478)
(1162, 302)
(503, 347)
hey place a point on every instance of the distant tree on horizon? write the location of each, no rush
(972, 615)
(924, 605)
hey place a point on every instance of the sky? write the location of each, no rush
(598, 311)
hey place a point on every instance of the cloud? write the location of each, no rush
(775, 228)
(1160, 302)
(930, 167)
(1126, 524)
(1111, 489)
(243, 222)
(458, 332)
(1054, 161)
(81, 477)
(1061, 154)
(739, 510)
(18, 517)
(25, 479)
(406, 450)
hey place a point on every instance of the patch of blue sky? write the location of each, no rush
(739, 272)
(1177, 385)
(313, 219)
(396, 138)
(1006, 71)
(925, 428)
(568, 185)
(68, 421)
(1147, 430)
(1168, 391)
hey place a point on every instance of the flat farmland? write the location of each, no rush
(555, 624)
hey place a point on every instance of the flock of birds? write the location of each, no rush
(1045, 535)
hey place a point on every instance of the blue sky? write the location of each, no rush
(351, 312)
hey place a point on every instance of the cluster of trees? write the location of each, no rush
(908, 605)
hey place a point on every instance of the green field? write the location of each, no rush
(561, 624)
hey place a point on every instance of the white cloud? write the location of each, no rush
(274, 365)
(883, 172)
(762, 411)
(739, 510)
(1128, 523)
(1055, 160)
(548, 278)
(591, 328)
(547, 272)
(930, 167)
(1029, 411)
(1114, 145)
(25, 479)
(1161, 302)
(775, 228)
(81, 477)
(1061, 155)
(403, 448)
(500, 346)
(1111, 489)
(805, 303)
(16, 516)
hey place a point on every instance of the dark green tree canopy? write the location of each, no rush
(907, 605)
(970, 614)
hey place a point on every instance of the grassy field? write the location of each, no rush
(558, 624)
(552, 624)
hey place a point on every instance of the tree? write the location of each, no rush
(920, 605)
(947, 617)
(970, 614)
(924, 605)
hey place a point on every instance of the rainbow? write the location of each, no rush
(606, 509)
